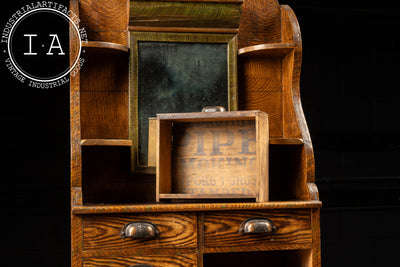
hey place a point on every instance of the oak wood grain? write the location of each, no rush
(259, 23)
(104, 96)
(179, 207)
(260, 73)
(316, 238)
(76, 160)
(286, 141)
(151, 260)
(177, 230)
(185, 14)
(129, 253)
(105, 21)
(105, 47)
(179, 29)
(292, 34)
(106, 142)
(97, 120)
(268, 102)
(222, 229)
(75, 127)
(263, 50)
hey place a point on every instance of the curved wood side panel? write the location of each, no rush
(105, 21)
(259, 23)
(75, 131)
(291, 33)
(313, 189)
(75, 164)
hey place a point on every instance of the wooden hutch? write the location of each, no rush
(107, 197)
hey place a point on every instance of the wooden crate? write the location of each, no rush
(216, 155)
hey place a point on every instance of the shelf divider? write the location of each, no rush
(286, 141)
(273, 49)
(106, 142)
(105, 47)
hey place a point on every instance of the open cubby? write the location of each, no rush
(104, 96)
(106, 177)
(293, 258)
(286, 176)
(263, 81)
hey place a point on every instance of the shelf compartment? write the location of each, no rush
(106, 142)
(178, 207)
(105, 47)
(262, 50)
(290, 255)
(107, 177)
(104, 96)
(205, 196)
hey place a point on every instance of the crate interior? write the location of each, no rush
(210, 158)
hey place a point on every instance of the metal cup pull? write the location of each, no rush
(213, 109)
(257, 226)
(140, 230)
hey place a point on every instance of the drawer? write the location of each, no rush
(103, 232)
(291, 229)
(148, 261)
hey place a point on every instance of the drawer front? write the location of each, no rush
(291, 229)
(148, 261)
(176, 230)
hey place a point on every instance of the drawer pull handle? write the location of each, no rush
(257, 226)
(141, 265)
(213, 109)
(140, 230)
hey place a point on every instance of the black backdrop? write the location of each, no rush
(349, 93)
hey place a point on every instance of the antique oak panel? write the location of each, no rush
(147, 260)
(105, 20)
(104, 96)
(293, 228)
(177, 230)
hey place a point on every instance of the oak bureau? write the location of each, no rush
(116, 220)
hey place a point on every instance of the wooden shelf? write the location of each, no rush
(274, 49)
(286, 141)
(106, 142)
(105, 47)
(177, 207)
(205, 196)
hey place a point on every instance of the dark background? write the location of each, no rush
(350, 99)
